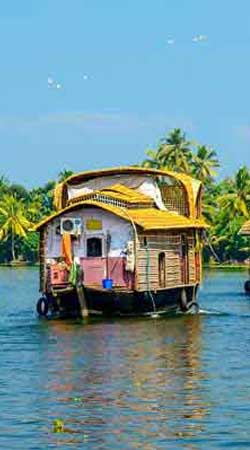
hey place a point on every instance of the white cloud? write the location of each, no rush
(110, 122)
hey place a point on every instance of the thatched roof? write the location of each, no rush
(146, 218)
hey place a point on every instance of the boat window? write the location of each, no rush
(184, 246)
(174, 197)
(162, 269)
(94, 247)
(184, 259)
(198, 204)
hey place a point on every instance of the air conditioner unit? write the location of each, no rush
(71, 225)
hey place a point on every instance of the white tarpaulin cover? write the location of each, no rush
(143, 183)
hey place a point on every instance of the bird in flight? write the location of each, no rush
(199, 38)
(53, 84)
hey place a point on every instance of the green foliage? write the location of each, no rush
(29, 247)
(13, 220)
(64, 174)
(19, 210)
(226, 205)
(18, 191)
(204, 162)
(175, 152)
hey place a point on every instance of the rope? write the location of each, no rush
(136, 239)
(148, 259)
(148, 283)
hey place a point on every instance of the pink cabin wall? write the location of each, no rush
(95, 271)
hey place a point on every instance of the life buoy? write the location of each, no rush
(42, 306)
(247, 287)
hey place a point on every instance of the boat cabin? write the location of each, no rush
(123, 230)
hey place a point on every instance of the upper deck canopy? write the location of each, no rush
(190, 185)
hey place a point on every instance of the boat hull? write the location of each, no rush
(118, 302)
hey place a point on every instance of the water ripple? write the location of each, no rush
(179, 382)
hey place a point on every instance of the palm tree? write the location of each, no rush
(236, 201)
(175, 151)
(4, 184)
(64, 174)
(35, 207)
(13, 221)
(224, 209)
(204, 163)
(152, 161)
(18, 191)
(44, 195)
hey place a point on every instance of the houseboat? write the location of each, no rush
(245, 231)
(123, 241)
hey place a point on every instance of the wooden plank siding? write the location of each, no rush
(191, 258)
(42, 246)
(150, 246)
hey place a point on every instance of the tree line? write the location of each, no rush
(226, 203)
(20, 209)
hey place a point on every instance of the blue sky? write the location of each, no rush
(137, 88)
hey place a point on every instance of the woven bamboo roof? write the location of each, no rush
(190, 185)
(245, 229)
(146, 218)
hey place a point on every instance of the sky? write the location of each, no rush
(123, 84)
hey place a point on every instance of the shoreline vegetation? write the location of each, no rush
(226, 205)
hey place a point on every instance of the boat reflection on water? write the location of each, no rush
(134, 381)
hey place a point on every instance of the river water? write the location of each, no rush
(180, 382)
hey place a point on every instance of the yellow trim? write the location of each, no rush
(58, 194)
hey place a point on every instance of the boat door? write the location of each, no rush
(94, 247)
(94, 262)
(184, 259)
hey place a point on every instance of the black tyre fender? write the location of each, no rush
(247, 287)
(42, 306)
